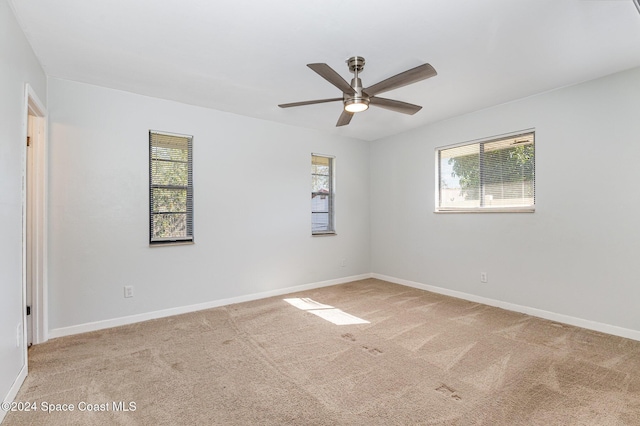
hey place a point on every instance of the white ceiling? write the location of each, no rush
(248, 56)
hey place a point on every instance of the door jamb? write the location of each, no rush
(39, 309)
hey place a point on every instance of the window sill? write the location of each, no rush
(324, 234)
(490, 210)
(171, 243)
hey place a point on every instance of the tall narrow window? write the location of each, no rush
(493, 175)
(322, 197)
(170, 188)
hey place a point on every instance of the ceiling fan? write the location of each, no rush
(357, 99)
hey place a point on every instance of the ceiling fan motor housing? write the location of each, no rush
(358, 97)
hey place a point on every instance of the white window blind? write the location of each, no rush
(493, 175)
(170, 188)
(322, 196)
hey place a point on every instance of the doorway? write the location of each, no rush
(34, 221)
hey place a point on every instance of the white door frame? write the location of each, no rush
(38, 242)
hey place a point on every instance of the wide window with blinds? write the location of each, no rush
(170, 188)
(322, 196)
(492, 175)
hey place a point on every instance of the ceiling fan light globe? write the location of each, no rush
(354, 106)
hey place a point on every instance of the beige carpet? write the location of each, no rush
(423, 359)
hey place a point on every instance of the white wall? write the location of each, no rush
(252, 182)
(577, 255)
(18, 66)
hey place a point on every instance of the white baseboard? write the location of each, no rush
(566, 319)
(116, 322)
(14, 390)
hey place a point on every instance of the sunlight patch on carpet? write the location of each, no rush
(337, 316)
(327, 312)
(305, 303)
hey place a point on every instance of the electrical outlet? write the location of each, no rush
(128, 291)
(343, 262)
(483, 277)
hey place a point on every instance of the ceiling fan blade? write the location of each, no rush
(410, 76)
(345, 118)
(317, 101)
(328, 73)
(397, 106)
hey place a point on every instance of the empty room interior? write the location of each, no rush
(336, 212)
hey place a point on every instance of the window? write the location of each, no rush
(492, 175)
(322, 195)
(170, 188)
